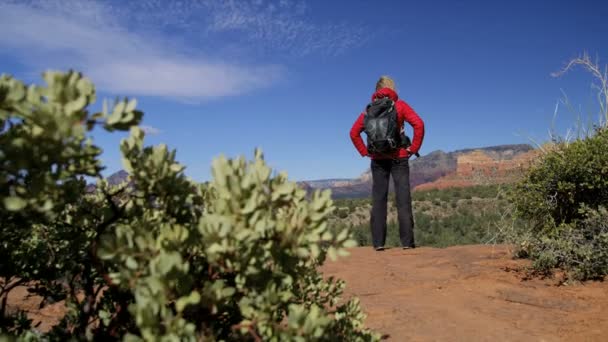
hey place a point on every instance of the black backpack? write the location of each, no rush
(380, 124)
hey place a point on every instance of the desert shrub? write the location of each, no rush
(343, 212)
(580, 248)
(460, 228)
(563, 199)
(362, 235)
(570, 176)
(159, 257)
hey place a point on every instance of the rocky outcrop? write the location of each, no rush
(479, 167)
(459, 168)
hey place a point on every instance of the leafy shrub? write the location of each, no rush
(158, 257)
(563, 199)
(570, 176)
(343, 212)
(581, 249)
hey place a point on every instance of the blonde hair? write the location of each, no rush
(385, 82)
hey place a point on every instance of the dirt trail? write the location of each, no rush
(465, 293)
(468, 293)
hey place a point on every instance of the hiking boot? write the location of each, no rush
(409, 247)
(379, 249)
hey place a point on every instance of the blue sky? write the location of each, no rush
(224, 77)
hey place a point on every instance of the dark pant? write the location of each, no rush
(381, 172)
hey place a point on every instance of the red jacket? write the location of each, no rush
(404, 113)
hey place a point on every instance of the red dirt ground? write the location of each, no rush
(468, 293)
(464, 293)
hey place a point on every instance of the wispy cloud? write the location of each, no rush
(167, 48)
(278, 26)
(117, 59)
(283, 25)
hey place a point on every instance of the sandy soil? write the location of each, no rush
(468, 293)
(465, 293)
(43, 319)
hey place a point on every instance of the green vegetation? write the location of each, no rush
(563, 199)
(443, 217)
(159, 257)
(451, 194)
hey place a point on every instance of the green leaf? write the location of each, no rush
(193, 298)
(37, 130)
(14, 203)
(131, 263)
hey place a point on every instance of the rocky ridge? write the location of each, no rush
(439, 169)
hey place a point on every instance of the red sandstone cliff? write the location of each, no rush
(438, 169)
(479, 167)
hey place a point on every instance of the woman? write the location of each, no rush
(395, 163)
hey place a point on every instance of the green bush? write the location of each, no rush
(562, 200)
(343, 212)
(581, 248)
(158, 257)
(569, 177)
